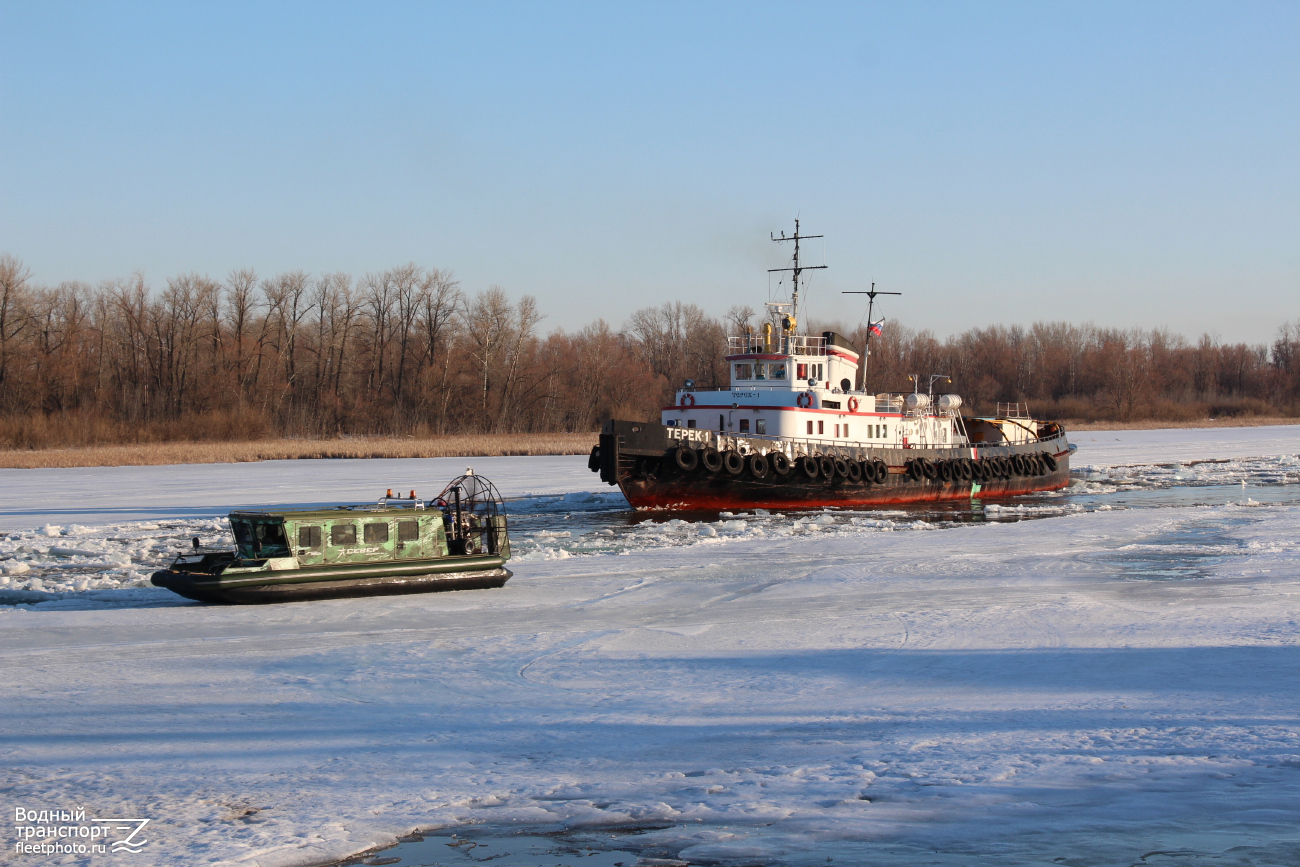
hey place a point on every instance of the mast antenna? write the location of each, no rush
(797, 269)
(871, 303)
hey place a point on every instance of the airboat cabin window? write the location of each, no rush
(309, 537)
(760, 425)
(408, 531)
(744, 371)
(376, 532)
(343, 534)
(690, 422)
(776, 371)
(744, 425)
(801, 371)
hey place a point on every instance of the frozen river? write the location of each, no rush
(1106, 683)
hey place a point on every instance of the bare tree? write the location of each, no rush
(14, 277)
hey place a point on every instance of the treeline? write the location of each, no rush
(409, 352)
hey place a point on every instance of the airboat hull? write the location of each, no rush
(452, 573)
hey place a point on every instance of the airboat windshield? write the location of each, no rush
(259, 539)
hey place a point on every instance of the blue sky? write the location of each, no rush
(1134, 164)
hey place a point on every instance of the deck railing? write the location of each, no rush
(791, 344)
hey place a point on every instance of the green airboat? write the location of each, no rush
(456, 541)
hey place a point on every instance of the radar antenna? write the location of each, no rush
(797, 269)
(871, 328)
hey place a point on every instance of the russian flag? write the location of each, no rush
(875, 327)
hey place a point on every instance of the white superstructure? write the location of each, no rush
(794, 387)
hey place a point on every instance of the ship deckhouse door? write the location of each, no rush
(413, 537)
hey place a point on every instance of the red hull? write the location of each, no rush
(700, 494)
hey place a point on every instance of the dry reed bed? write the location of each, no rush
(157, 454)
(1157, 424)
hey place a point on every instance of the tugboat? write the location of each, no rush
(794, 432)
(456, 541)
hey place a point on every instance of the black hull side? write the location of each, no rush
(638, 458)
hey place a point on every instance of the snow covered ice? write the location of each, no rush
(1083, 679)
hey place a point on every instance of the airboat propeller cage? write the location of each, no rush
(473, 504)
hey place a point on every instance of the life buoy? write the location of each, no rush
(805, 399)
(688, 400)
(853, 404)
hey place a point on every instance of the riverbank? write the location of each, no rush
(163, 454)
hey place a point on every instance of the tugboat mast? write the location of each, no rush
(866, 349)
(797, 269)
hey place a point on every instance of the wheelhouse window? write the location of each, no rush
(377, 532)
(760, 371)
(776, 371)
(744, 371)
(343, 534)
